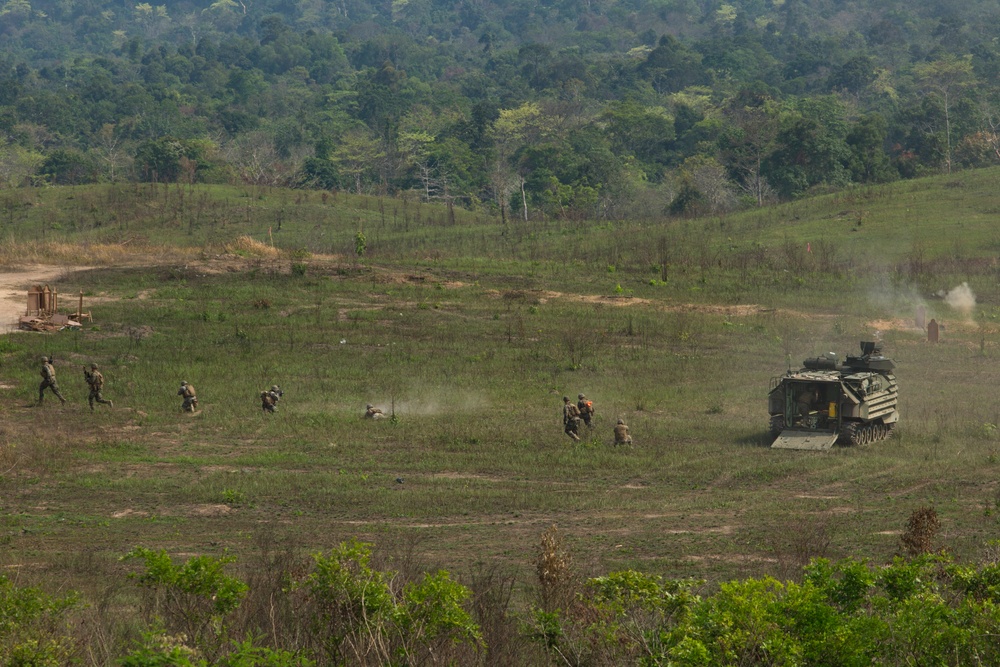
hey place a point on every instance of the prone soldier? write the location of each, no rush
(371, 412)
(586, 409)
(48, 372)
(190, 403)
(95, 379)
(571, 419)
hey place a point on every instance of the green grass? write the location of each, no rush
(473, 333)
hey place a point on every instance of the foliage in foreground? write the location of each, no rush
(926, 609)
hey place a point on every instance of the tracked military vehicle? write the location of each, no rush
(827, 402)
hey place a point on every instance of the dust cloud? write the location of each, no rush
(913, 309)
(433, 402)
(960, 298)
(895, 300)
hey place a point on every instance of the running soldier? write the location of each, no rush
(571, 419)
(622, 436)
(586, 409)
(269, 399)
(190, 403)
(371, 412)
(95, 379)
(48, 372)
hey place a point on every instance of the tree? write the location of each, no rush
(18, 165)
(704, 188)
(358, 155)
(947, 78)
(111, 149)
(168, 159)
(510, 132)
(644, 132)
(750, 142)
(869, 163)
(68, 166)
(256, 160)
(809, 151)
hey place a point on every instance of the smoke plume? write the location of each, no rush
(961, 299)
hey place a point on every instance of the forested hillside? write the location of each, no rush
(579, 108)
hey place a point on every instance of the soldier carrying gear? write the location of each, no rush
(571, 419)
(586, 409)
(48, 372)
(269, 399)
(622, 436)
(95, 379)
(371, 412)
(190, 403)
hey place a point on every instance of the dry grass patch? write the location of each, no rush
(247, 246)
(16, 253)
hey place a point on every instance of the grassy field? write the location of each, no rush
(471, 333)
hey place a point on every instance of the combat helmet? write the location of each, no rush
(45, 359)
(581, 397)
(621, 421)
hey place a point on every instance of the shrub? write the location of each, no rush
(192, 599)
(34, 628)
(359, 619)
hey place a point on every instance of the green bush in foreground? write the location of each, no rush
(34, 627)
(353, 614)
(924, 610)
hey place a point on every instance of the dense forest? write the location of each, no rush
(568, 108)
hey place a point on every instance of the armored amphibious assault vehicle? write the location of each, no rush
(827, 402)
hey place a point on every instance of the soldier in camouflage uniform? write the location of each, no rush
(371, 412)
(269, 399)
(96, 381)
(586, 409)
(622, 436)
(48, 372)
(571, 419)
(190, 403)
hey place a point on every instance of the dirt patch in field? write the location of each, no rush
(611, 299)
(209, 510)
(735, 310)
(457, 475)
(14, 289)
